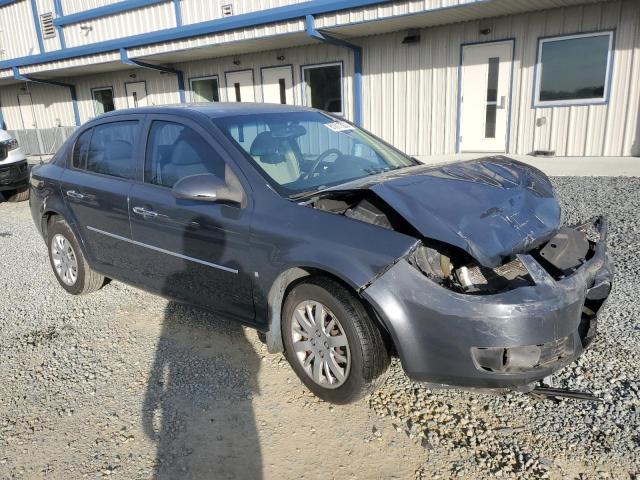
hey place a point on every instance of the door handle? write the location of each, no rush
(147, 213)
(503, 101)
(74, 194)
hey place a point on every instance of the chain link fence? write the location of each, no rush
(42, 141)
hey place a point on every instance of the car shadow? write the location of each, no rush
(198, 405)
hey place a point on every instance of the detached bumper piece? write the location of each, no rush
(14, 176)
(504, 340)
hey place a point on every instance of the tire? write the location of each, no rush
(20, 195)
(85, 280)
(366, 355)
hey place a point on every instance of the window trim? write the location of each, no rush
(93, 97)
(303, 83)
(205, 77)
(604, 100)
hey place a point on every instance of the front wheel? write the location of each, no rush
(331, 342)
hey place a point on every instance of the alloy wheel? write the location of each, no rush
(65, 262)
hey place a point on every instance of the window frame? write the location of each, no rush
(93, 97)
(70, 164)
(303, 83)
(604, 100)
(205, 77)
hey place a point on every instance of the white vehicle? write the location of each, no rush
(14, 171)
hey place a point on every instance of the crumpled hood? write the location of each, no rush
(491, 207)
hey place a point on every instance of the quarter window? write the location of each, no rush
(80, 150)
(573, 69)
(205, 89)
(175, 151)
(103, 100)
(323, 87)
(111, 150)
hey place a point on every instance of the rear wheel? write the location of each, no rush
(69, 265)
(331, 342)
(20, 195)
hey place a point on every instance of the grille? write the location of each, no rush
(46, 24)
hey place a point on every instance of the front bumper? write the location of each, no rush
(14, 175)
(438, 333)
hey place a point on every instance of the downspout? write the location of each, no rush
(124, 58)
(72, 90)
(357, 61)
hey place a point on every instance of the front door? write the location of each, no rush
(136, 94)
(240, 86)
(484, 97)
(189, 250)
(277, 85)
(26, 111)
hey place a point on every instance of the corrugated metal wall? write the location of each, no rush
(17, 33)
(51, 105)
(74, 6)
(47, 6)
(142, 20)
(194, 11)
(410, 91)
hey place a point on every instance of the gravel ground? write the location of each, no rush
(122, 383)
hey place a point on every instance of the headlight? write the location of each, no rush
(463, 274)
(11, 144)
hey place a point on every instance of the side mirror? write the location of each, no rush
(206, 187)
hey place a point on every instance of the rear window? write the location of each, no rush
(111, 149)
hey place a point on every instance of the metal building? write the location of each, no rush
(430, 76)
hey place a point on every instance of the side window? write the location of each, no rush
(111, 150)
(80, 150)
(175, 151)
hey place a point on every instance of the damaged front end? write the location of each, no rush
(496, 293)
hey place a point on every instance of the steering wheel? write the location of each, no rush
(321, 158)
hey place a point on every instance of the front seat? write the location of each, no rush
(186, 160)
(276, 157)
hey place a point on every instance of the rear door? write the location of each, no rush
(96, 186)
(193, 251)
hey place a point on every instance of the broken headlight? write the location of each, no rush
(465, 275)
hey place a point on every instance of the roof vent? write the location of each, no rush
(227, 10)
(46, 24)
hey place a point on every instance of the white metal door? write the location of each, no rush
(277, 85)
(484, 97)
(240, 86)
(136, 94)
(26, 111)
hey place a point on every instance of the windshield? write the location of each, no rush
(303, 152)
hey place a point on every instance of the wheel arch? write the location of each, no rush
(288, 279)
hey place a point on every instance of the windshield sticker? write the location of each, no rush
(339, 126)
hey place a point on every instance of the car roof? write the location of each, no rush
(210, 109)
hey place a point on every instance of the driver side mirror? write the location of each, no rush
(206, 187)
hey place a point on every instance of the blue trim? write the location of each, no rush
(178, 11)
(586, 103)
(72, 90)
(459, 103)
(105, 11)
(4, 3)
(57, 5)
(2, 125)
(124, 58)
(278, 14)
(36, 24)
(357, 65)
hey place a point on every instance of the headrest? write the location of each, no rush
(264, 144)
(119, 149)
(184, 153)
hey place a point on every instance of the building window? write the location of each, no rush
(573, 69)
(103, 100)
(323, 87)
(205, 89)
